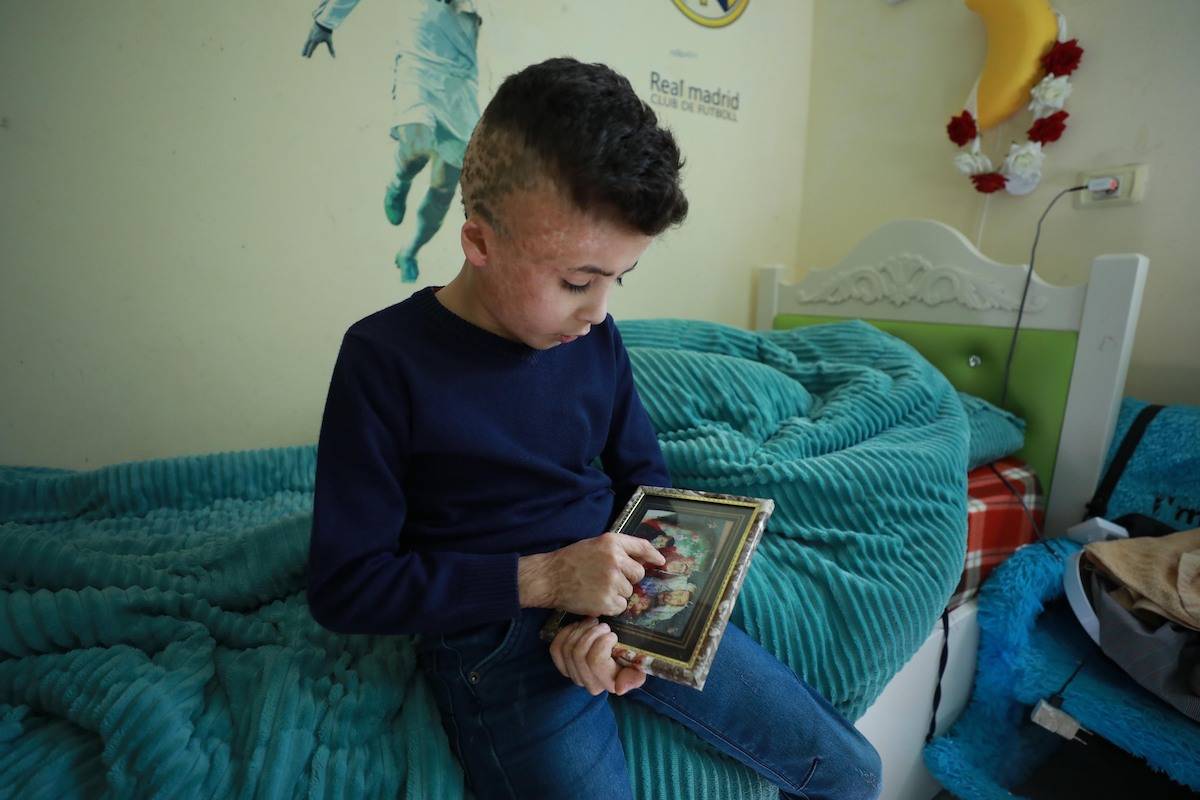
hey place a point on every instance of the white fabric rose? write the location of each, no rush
(1024, 160)
(1049, 95)
(1023, 167)
(971, 161)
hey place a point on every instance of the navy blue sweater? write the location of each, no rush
(446, 452)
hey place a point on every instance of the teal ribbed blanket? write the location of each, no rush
(154, 638)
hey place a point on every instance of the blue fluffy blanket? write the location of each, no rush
(1029, 644)
(156, 640)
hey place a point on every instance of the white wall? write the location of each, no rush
(191, 214)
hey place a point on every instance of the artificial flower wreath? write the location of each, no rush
(1022, 168)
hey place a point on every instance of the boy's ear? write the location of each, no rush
(474, 237)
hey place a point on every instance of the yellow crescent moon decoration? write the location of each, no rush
(1018, 33)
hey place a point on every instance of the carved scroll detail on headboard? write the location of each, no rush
(908, 277)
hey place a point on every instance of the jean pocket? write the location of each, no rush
(479, 649)
(812, 770)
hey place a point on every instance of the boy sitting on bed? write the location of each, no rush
(456, 493)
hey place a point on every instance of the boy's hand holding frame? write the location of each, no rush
(593, 577)
(670, 623)
(600, 574)
(582, 651)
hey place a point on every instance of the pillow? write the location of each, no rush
(995, 433)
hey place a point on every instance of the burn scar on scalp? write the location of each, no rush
(496, 164)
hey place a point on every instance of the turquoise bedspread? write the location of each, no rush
(154, 638)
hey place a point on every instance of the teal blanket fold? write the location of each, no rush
(155, 642)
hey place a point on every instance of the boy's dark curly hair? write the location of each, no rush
(582, 127)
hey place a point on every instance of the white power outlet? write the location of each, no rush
(1132, 189)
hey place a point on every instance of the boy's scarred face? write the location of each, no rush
(540, 277)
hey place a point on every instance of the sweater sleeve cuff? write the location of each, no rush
(489, 586)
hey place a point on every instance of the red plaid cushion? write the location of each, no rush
(996, 522)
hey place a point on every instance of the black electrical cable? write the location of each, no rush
(1067, 683)
(937, 690)
(1012, 349)
(1037, 529)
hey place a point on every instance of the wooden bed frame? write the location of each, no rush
(926, 283)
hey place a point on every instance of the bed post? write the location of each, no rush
(767, 299)
(1110, 316)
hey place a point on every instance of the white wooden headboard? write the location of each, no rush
(923, 271)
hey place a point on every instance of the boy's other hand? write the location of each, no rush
(582, 651)
(596, 576)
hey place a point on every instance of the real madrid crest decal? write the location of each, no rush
(712, 13)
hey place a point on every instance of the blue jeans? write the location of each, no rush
(523, 730)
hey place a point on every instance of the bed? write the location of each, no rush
(925, 282)
(157, 643)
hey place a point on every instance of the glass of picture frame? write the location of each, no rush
(678, 612)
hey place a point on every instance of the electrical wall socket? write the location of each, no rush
(1133, 179)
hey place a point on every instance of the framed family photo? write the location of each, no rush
(678, 612)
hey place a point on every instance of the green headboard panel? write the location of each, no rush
(1037, 391)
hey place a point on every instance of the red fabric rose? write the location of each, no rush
(1062, 58)
(1048, 129)
(989, 182)
(961, 128)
